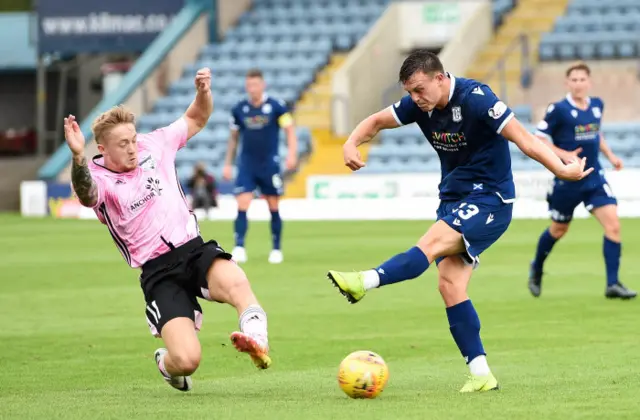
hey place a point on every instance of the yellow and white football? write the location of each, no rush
(363, 374)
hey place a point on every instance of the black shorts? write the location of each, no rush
(173, 282)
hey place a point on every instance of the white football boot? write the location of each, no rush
(276, 257)
(181, 383)
(239, 255)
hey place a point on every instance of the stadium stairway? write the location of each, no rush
(530, 17)
(314, 110)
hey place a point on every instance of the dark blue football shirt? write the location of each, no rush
(474, 157)
(570, 127)
(259, 129)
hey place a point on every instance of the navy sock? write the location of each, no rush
(464, 325)
(240, 227)
(611, 251)
(405, 266)
(276, 229)
(545, 244)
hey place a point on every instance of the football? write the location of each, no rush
(363, 374)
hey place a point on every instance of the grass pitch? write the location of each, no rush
(75, 343)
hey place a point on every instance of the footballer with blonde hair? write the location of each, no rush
(134, 190)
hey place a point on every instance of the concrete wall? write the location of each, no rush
(228, 13)
(616, 82)
(468, 41)
(369, 69)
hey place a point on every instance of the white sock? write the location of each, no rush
(163, 369)
(371, 279)
(479, 366)
(253, 322)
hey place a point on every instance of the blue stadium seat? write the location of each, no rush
(592, 29)
(524, 113)
(290, 41)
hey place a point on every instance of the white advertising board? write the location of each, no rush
(431, 24)
(372, 197)
(529, 184)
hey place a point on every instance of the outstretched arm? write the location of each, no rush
(539, 151)
(372, 125)
(83, 185)
(567, 156)
(201, 108)
(363, 133)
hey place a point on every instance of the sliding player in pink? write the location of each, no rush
(133, 188)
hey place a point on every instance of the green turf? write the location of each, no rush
(75, 344)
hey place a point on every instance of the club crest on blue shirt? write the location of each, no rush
(596, 112)
(456, 112)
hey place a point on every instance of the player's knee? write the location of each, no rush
(244, 201)
(228, 283)
(449, 288)
(558, 230)
(187, 361)
(238, 290)
(273, 202)
(612, 229)
(431, 246)
(444, 286)
(441, 240)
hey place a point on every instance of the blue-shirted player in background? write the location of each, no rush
(573, 125)
(257, 121)
(467, 125)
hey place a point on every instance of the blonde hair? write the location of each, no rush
(110, 119)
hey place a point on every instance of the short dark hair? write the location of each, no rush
(420, 60)
(254, 73)
(578, 66)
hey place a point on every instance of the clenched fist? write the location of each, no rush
(203, 80)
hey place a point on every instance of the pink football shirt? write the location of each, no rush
(145, 210)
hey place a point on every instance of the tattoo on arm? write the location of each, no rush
(83, 184)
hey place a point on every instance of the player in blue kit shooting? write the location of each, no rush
(571, 127)
(257, 121)
(468, 127)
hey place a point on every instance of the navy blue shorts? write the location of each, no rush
(563, 200)
(267, 179)
(480, 218)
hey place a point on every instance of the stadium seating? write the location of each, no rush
(593, 29)
(405, 150)
(290, 40)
